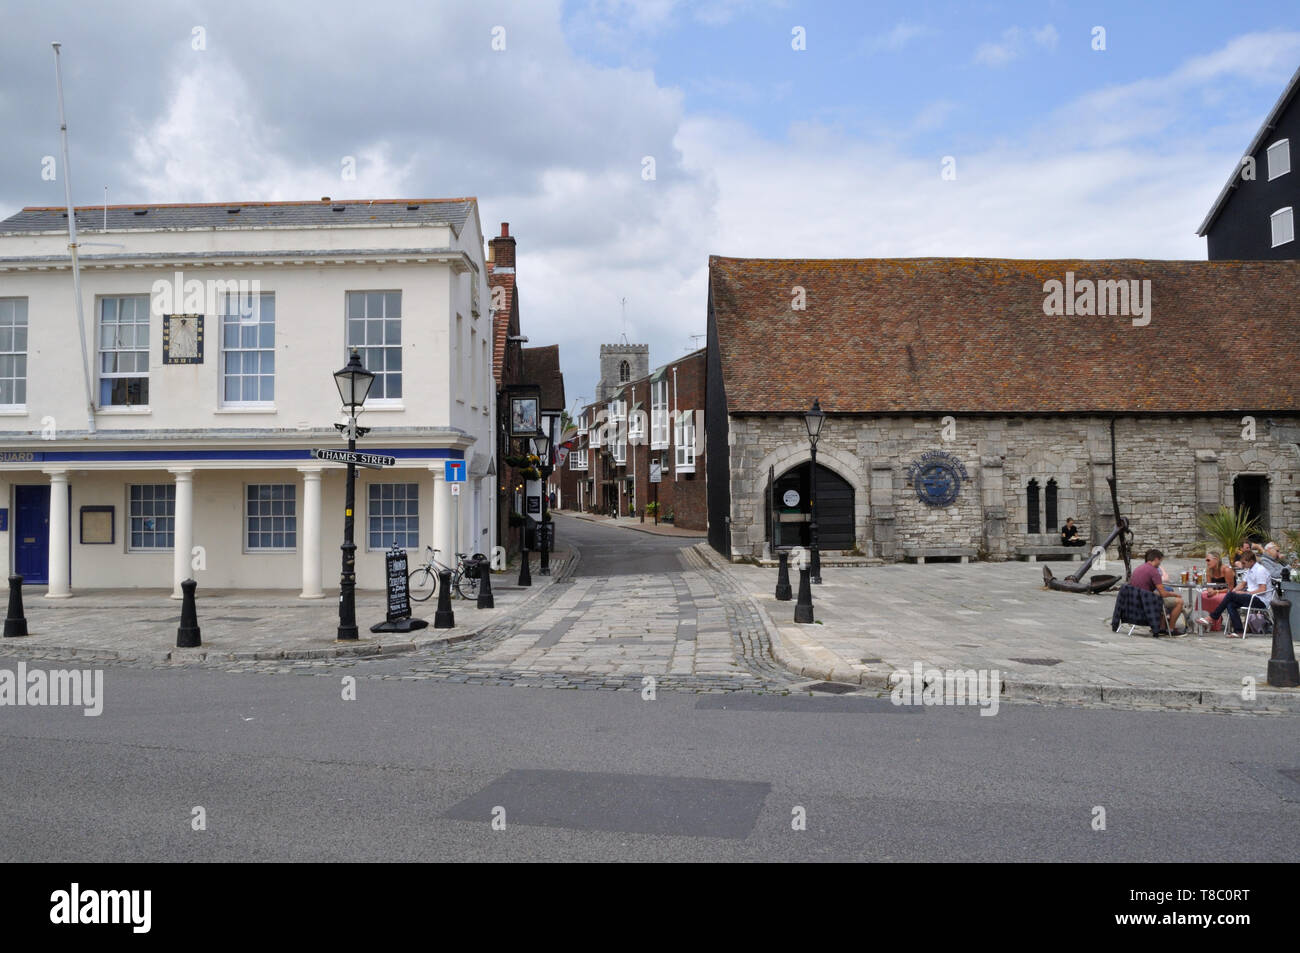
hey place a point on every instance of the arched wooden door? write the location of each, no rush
(834, 508)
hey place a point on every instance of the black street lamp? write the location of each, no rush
(353, 382)
(543, 446)
(813, 420)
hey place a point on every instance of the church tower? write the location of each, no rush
(620, 363)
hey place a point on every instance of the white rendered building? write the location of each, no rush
(212, 333)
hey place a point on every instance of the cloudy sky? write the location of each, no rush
(759, 149)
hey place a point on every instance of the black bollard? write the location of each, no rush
(783, 576)
(444, 618)
(803, 609)
(15, 621)
(485, 600)
(1283, 671)
(187, 636)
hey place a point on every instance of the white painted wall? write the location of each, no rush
(310, 345)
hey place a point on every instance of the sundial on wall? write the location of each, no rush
(183, 339)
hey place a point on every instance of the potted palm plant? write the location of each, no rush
(1229, 529)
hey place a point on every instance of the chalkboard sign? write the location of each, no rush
(399, 593)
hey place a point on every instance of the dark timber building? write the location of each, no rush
(1254, 216)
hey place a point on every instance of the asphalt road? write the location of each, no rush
(416, 768)
(285, 769)
(613, 551)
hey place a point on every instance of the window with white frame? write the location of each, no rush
(151, 514)
(636, 424)
(617, 410)
(247, 349)
(684, 438)
(596, 436)
(1279, 159)
(582, 424)
(124, 351)
(374, 320)
(487, 376)
(458, 361)
(270, 517)
(393, 516)
(578, 460)
(619, 449)
(1283, 224)
(659, 432)
(13, 352)
(474, 369)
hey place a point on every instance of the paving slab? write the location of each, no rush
(871, 622)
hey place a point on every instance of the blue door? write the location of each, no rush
(32, 533)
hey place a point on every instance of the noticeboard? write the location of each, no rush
(399, 593)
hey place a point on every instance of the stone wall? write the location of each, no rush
(1169, 471)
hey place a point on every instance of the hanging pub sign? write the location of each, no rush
(525, 410)
(399, 595)
(937, 477)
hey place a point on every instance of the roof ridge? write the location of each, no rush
(245, 204)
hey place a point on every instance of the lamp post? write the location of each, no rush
(543, 447)
(813, 420)
(353, 382)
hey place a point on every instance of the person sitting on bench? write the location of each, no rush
(1070, 534)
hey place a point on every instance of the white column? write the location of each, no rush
(444, 517)
(60, 586)
(310, 535)
(183, 536)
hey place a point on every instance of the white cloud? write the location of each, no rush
(897, 38)
(1014, 43)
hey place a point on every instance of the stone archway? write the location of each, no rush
(845, 465)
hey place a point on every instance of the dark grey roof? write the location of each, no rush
(451, 212)
(1270, 121)
(542, 367)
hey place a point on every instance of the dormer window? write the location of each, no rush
(1283, 223)
(1279, 159)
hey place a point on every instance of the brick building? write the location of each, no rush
(974, 404)
(507, 368)
(656, 417)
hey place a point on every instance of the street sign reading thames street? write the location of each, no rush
(372, 461)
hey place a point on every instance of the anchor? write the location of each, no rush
(1100, 583)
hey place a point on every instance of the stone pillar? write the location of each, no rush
(310, 536)
(993, 492)
(183, 536)
(444, 516)
(60, 586)
(883, 514)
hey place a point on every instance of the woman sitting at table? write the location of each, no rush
(1219, 573)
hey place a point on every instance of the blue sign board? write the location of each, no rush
(454, 471)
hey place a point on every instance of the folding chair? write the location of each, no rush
(1260, 607)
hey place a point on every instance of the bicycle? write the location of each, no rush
(423, 579)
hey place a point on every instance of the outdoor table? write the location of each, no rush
(1191, 602)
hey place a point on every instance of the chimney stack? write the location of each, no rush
(502, 249)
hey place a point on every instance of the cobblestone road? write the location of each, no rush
(630, 606)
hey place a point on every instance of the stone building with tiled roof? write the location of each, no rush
(973, 404)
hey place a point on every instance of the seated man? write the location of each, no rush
(1070, 534)
(1270, 557)
(1147, 576)
(1254, 585)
